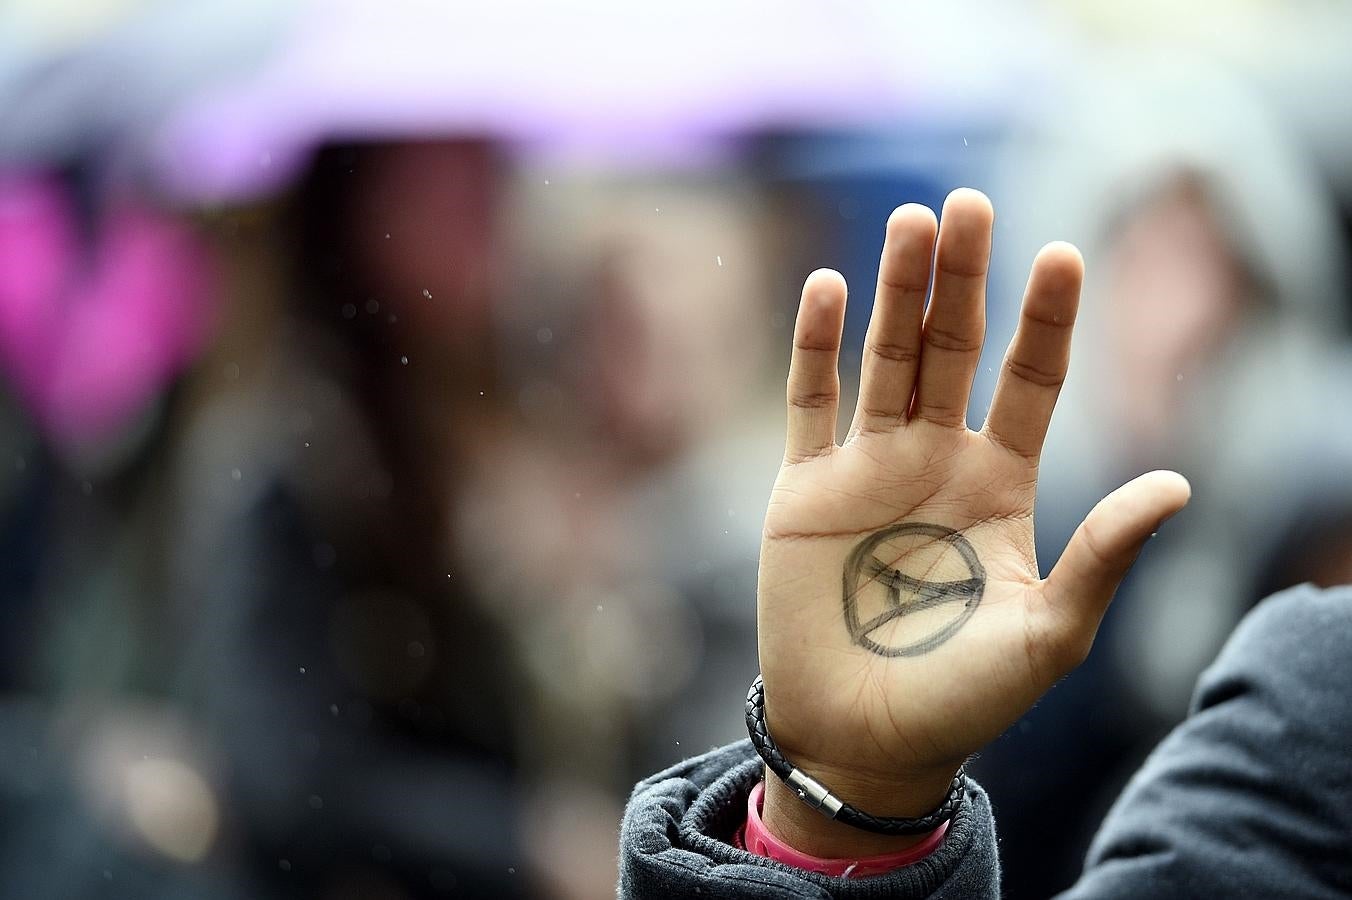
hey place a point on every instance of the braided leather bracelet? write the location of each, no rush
(819, 797)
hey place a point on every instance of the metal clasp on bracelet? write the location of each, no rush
(814, 793)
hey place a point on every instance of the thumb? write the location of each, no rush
(1107, 542)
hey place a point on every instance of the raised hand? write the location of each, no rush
(903, 623)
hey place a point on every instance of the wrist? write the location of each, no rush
(808, 830)
(758, 839)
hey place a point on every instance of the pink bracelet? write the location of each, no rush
(756, 838)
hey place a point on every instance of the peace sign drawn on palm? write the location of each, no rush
(903, 623)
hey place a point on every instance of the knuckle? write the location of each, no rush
(807, 346)
(893, 352)
(948, 415)
(955, 341)
(946, 267)
(902, 286)
(1093, 545)
(1010, 446)
(879, 414)
(812, 400)
(1047, 378)
(1057, 321)
(798, 457)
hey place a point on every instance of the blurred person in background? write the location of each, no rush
(105, 299)
(587, 525)
(1213, 339)
(278, 629)
(623, 360)
(371, 601)
(423, 600)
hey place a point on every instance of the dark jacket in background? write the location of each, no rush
(1250, 797)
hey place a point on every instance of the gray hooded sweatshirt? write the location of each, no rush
(1251, 796)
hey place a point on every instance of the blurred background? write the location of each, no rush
(391, 393)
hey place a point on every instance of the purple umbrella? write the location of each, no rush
(627, 81)
(633, 83)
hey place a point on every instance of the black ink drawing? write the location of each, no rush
(907, 594)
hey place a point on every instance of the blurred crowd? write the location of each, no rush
(382, 458)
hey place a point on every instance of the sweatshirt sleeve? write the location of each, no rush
(676, 842)
(1252, 795)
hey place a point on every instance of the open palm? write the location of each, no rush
(903, 622)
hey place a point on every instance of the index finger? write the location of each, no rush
(1039, 355)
